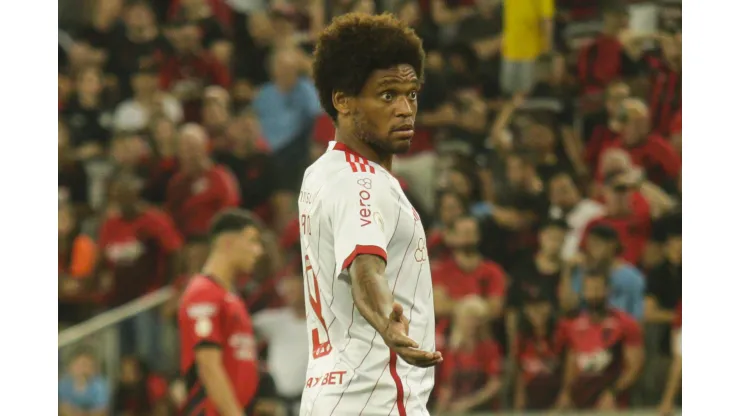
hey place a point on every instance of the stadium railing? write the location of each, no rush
(102, 333)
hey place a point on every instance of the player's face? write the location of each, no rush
(248, 248)
(384, 112)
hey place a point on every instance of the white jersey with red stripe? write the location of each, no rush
(350, 206)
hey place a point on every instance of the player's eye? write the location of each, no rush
(413, 95)
(387, 96)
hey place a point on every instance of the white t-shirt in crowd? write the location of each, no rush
(350, 206)
(577, 219)
(285, 334)
(131, 115)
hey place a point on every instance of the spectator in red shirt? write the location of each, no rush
(466, 273)
(197, 193)
(632, 224)
(601, 130)
(538, 354)
(605, 352)
(141, 248)
(191, 69)
(450, 206)
(473, 362)
(605, 60)
(664, 97)
(647, 150)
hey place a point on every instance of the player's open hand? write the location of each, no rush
(396, 337)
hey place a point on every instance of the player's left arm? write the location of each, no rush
(634, 356)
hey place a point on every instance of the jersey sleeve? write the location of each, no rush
(202, 318)
(364, 211)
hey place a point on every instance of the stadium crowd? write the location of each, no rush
(546, 167)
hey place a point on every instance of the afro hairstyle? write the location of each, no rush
(354, 45)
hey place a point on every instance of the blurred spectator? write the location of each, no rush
(465, 273)
(86, 116)
(605, 60)
(97, 38)
(162, 164)
(284, 330)
(605, 352)
(135, 113)
(197, 192)
(140, 45)
(473, 361)
(450, 206)
(214, 36)
(567, 203)
(539, 274)
(538, 354)
(140, 392)
(74, 182)
(601, 129)
(190, 69)
(82, 391)
(77, 256)
(482, 29)
(665, 82)
(673, 386)
(252, 166)
(676, 137)
(647, 150)
(602, 251)
(286, 108)
(664, 288)
(625, 214)
(141, 253)
(528, 33)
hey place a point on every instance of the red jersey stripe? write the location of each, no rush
(399, 385)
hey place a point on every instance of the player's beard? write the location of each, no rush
(364, 130)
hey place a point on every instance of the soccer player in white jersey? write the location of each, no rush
(366, 268)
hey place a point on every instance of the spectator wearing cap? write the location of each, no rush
(627, 212)
(287, 108)
(140, 45)
(197, 193)
(82, 391)
(134, 114)
(190, 69)
(528, 33)
(538, 353)
(601, 251)
(539, 273)
(568, 204)
(647, 150)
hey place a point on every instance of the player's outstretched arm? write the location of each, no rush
(374, 301)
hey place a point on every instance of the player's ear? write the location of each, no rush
(341, 102)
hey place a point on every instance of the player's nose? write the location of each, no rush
(404, 108)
